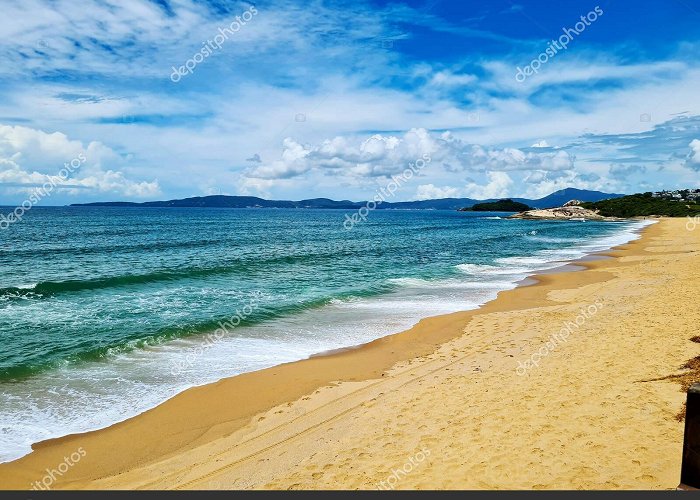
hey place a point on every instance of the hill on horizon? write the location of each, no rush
(555, 199)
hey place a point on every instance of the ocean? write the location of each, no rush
(106, 312)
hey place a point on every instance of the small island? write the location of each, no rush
(506, 205)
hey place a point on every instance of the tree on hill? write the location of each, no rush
(506, 205)
(638, 205)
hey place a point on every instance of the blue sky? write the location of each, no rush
(330, 99)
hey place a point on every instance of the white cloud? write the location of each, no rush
(429, 191)
(383, 156)
(515, 159)
(498, 186)
(30, 158)
(376, 156)
(449, 79)
(292, 163)
(144, 39)
(693, 160)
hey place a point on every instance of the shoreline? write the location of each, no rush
(217, 415)
(530, 280)
(382, 320)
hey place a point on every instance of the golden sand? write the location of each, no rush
(443, 405)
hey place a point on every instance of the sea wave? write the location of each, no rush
(47, 289)
(488, 270)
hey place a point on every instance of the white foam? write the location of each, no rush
(27, 286)
(546, 239)
(485, 270)
(412, 282)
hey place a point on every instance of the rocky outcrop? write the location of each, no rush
(570, 211)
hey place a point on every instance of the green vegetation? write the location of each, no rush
(645, 204)
(507, 205)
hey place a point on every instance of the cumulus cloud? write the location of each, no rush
(693, 159)
(387, 155)
(376, 156)
(498, 186)
(30, 157)
(432, 192)
(507, 159)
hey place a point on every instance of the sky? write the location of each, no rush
(163, 99)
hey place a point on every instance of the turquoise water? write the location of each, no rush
(105, 312)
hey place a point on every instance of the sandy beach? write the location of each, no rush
(561, 384)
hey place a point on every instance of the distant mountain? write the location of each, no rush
(221, 201)
(558, 198)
